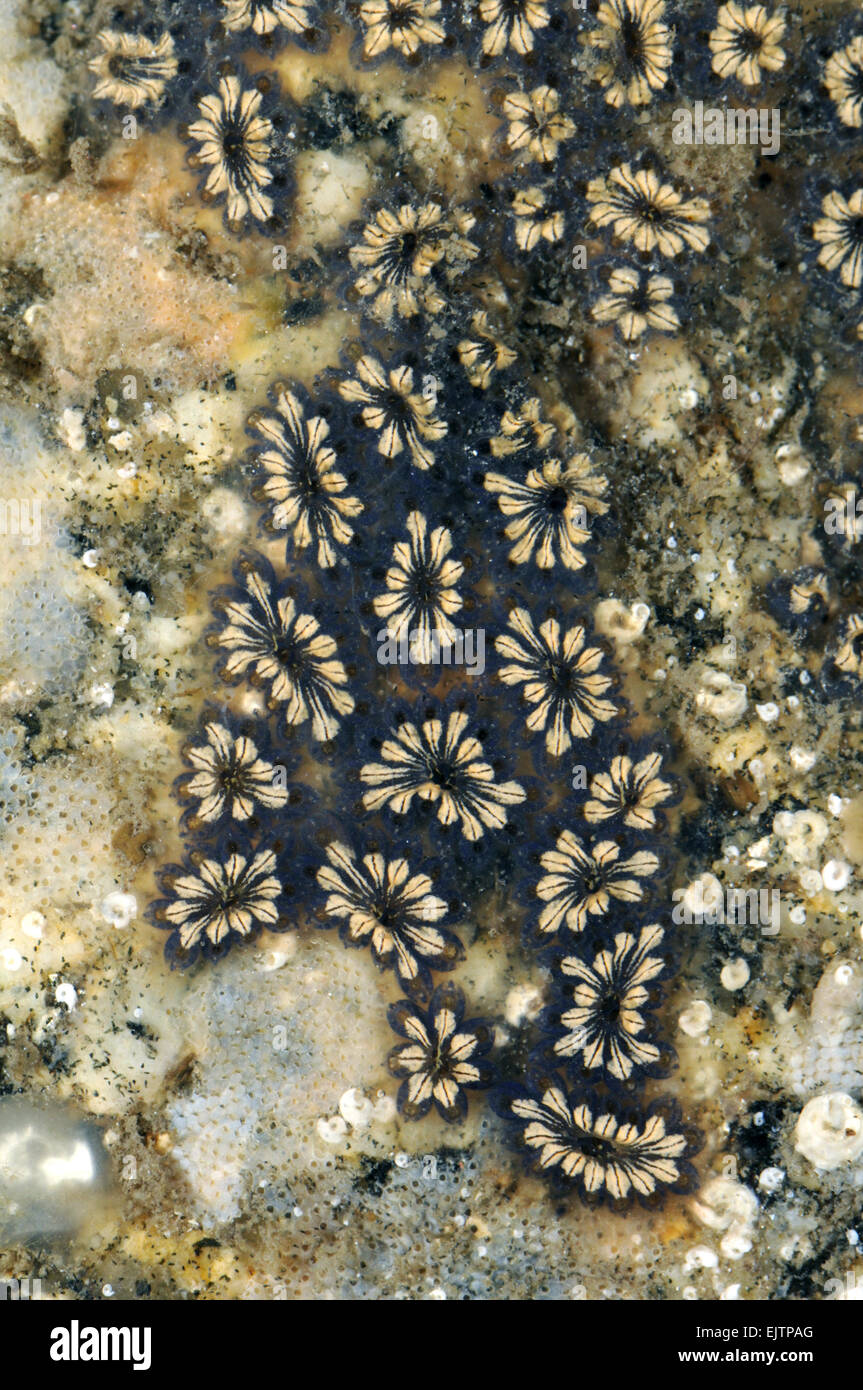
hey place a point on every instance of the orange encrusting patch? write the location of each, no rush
(118, 292)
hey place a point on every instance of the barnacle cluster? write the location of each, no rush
(429, 490)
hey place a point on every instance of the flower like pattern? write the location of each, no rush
(133, 70)
(264, 16)
(807, 591)
(403, 417)
(482, 354)
(403, 25)
(421, 595)
(604, 1024)
(522, 427)
(234, 143)
(559, 676)
(745, 41)
(589, 1145)
(639, 208)
(381, 903)
(536, 123)
(442, 1056)
(849, 657)
(305, 490)
(213, 901)
(629, 790)
(266, 636)
(843, 78)
(432, 368)
(839, 232)
(511, 24)
(230, 780)
(442, 763)
(635, 43)
(579, 883)
(537, 218)
(398, 252)
(548, 512)
(636, 302)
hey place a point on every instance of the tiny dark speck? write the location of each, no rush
(138, 1030)
(298, 310)
(373, 1177)
(207, 1244)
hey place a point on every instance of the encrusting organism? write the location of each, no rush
(426, 492)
